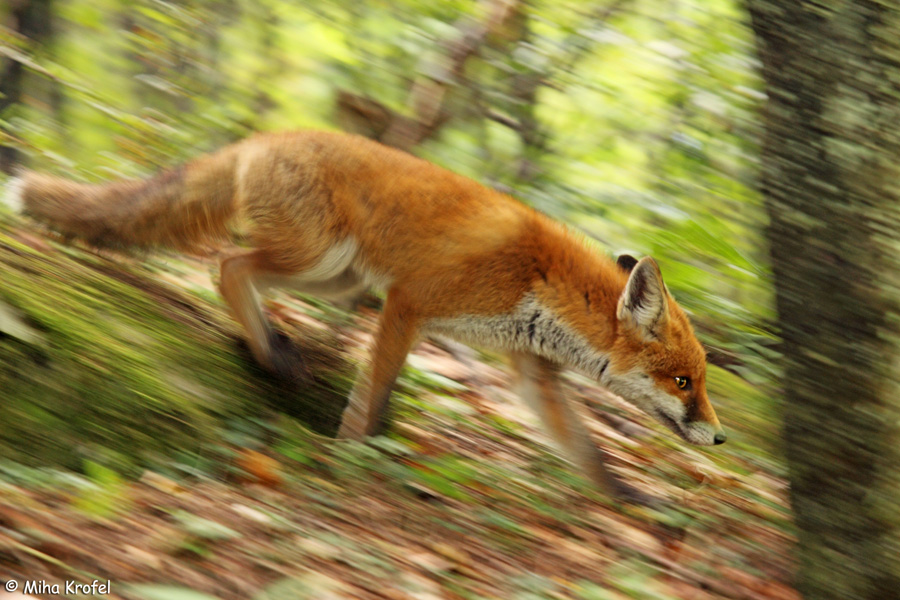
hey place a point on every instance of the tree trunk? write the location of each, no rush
(831, 181)
(31, 19)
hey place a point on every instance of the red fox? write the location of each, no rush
(330, 214)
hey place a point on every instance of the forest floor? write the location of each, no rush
(128, 459)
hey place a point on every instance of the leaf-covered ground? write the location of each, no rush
(140, 446)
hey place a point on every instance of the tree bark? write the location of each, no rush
(831, 183)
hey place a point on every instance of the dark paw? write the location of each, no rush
(285, 362)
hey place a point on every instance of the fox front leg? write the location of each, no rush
(397, 331)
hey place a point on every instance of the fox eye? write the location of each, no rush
(683, 383)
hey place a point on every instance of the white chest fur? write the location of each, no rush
(531, 328)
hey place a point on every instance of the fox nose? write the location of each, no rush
(719, 438)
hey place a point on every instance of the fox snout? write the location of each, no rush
(698, 433)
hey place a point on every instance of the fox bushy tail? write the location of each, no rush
(185, 208)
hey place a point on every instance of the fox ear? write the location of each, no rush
(644, 303)
(626, 262)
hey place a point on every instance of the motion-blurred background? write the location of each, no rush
(139, 445)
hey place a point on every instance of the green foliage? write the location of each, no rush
(105, 492)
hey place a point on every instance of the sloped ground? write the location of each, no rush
(177, 474)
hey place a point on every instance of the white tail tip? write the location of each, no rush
(12, 194)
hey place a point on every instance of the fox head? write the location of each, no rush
(656, 362)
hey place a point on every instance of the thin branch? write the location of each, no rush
(427, 96)
(503, 120)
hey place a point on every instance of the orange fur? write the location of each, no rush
(329, 213)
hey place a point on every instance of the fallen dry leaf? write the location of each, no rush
(258, 468)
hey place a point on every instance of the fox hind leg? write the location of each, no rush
(245, 276)
(237, 274)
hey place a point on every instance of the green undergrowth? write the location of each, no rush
(101, 362)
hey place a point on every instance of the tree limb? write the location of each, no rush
(426, 100)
